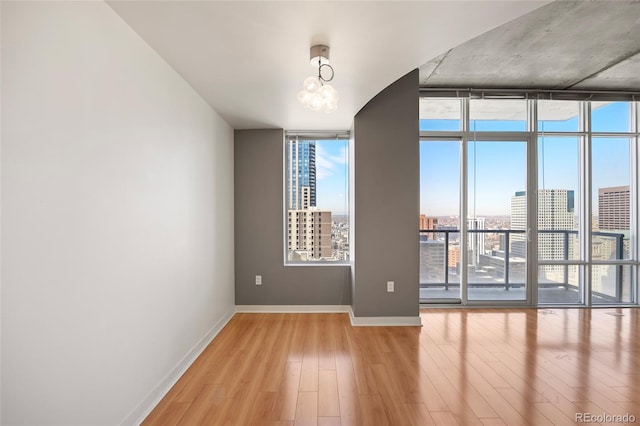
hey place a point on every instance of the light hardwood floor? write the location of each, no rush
(466, 367)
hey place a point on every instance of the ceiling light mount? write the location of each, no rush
(316, 94)
(319, 56)
(319, 53)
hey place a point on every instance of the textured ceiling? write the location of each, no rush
(578, 45)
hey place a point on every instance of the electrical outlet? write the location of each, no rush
(390, 286)
(258, 279)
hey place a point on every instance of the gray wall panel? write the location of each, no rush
(259, 233)
(387, 202)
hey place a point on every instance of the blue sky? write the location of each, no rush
(332, 175)
(498, 168)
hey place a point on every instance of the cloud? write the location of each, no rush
(326, 163)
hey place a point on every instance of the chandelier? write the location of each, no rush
(316, 94)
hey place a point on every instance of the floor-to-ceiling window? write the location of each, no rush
(440, 175)
(613, 192)
(528, 201)
(439, 222)
(561, 162)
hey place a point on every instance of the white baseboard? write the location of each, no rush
(355, 321)
(155, 396)
(384, 321)
(292, 309)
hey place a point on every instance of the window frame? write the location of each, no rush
(325, 136)
(585, 262)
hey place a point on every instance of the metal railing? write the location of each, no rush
(507, 252)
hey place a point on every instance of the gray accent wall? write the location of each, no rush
(386, 189)
(259, 232)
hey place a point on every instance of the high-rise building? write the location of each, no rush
(432, 263)
(309, 228)
(428, 223)
(301, 174)
(555, 212)
(613, 208)
(476, 239)
(613, 215)
(454, 256)
(309, 234)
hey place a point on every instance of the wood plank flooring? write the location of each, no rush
(464, 367)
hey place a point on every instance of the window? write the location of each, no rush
(559, 224)
(440, 114)
(317, 196)
(439, 222)
(611, 117)
(558, 116)
(568, 162)
(498, 115)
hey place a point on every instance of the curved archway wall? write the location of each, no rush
(385, 203)
(384, 209)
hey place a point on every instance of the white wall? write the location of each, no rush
(117, 217)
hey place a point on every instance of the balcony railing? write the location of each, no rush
(504, 276)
